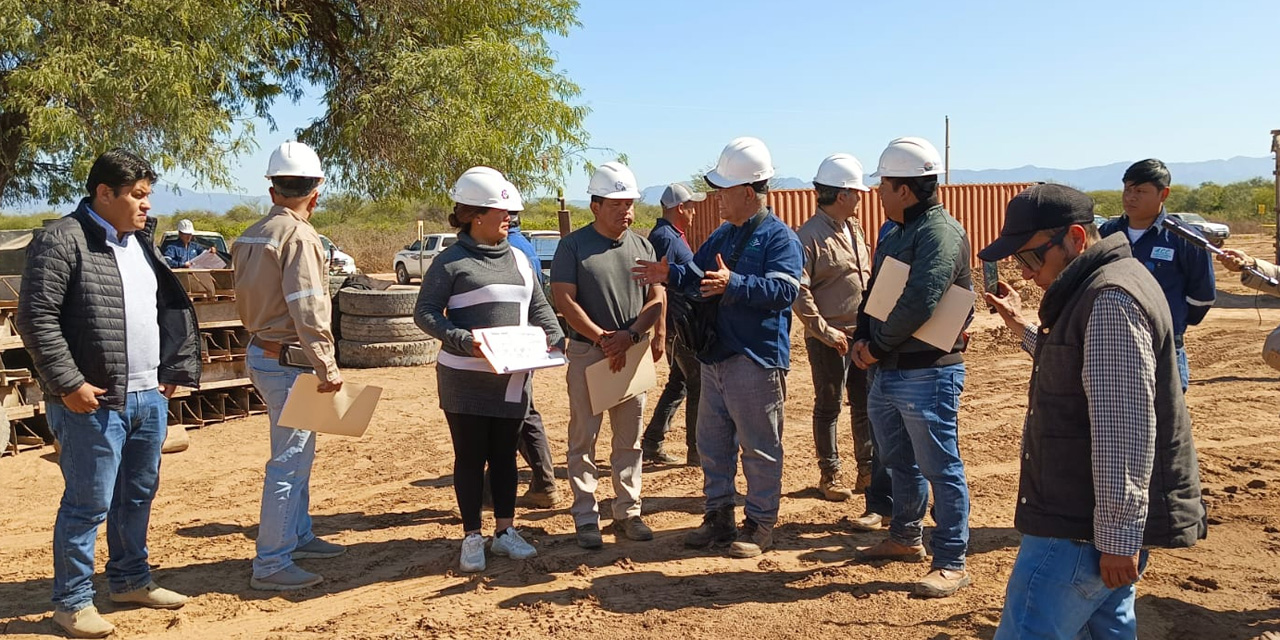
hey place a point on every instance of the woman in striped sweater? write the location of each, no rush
(476, 283)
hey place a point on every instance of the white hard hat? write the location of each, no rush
(185, 226)
(517, 203)
(294, 160)
(744, 160)
(842, 171)
(1271, 349)
(615, 181)
(909, 158)
(485, 187)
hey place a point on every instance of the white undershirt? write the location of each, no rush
(1134, 234)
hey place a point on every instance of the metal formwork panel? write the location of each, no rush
(978, 207)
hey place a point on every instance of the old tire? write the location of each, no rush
(376, 329)
(361, 355)
(398, 301)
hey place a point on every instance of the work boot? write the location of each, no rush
(589, 536)
(717, 530)
(85, 623)
(831, 488)
(632, 528)
(941, 583)
(753, 540)
(152, 596)
(863, 481)
(889, 550)
(867, 522)
(657, 454)
(539, 498)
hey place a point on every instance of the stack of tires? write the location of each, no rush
(376, 329)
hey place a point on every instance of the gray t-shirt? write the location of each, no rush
(601, 269)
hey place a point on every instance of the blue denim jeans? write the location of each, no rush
(1056, 592)
(1184, 371)
(913, 413)
(742, 404)
(285, 522)
(111, 469)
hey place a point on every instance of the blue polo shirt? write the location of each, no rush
(1184, 271)
(669, 241)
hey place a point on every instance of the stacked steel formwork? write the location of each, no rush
(978, 207)
(225, 390)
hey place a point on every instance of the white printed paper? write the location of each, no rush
(514, 349)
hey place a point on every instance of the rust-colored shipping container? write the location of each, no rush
(978, 207)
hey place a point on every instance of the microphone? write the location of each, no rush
(1194, 237)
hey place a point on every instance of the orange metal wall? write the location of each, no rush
(978, 207)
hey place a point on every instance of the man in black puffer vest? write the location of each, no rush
(111, 333)
(1108, 463)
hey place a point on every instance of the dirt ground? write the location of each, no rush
(389, 497)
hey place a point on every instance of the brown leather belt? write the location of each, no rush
(269, 349)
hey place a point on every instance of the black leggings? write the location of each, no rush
(477, 440)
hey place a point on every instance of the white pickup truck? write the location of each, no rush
(412, 261)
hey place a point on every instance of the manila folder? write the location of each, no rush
(609, 389)
(346, 412)
(947, 321)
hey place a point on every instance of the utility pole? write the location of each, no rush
(1275, 148)
(947, 162)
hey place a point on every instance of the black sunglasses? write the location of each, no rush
(1033, 258)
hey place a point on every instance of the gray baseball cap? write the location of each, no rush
(677, 194)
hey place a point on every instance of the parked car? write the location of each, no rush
(412, 261)
(340, 264)
(544, 244)
(1098, 220)
(1216, 233)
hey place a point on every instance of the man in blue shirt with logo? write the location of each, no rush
(1184, 271)
(752, 268)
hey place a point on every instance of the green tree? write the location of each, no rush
(414, 92)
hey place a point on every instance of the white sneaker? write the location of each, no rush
(472, 559)
(510, 544)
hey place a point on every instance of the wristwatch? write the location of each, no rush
(635, 337)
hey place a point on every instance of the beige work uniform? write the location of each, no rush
(282, 286)
(837, 268)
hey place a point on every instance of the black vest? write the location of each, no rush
(1055, 491)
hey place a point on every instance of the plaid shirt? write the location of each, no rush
(1119, 380)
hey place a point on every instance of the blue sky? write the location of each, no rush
(1062, 85)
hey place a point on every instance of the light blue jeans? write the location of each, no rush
(913, 413)
(1056, 592)
(111, 469)
(285, 522)
(742, 403)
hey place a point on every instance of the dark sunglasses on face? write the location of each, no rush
(1033, 258)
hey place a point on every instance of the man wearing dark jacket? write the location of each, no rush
(111, 333)
(913, 398)
(1108, 463)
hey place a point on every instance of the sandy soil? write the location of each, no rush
(389, 498)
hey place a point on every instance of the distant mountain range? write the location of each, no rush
(166, 200)
(1108, 176)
